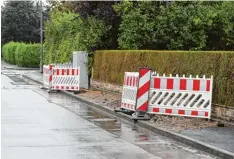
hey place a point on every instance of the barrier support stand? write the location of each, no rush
(122, 110)
(142, 95)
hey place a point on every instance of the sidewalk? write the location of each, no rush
(5, 65)
(197, 129)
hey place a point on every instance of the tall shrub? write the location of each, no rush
(66, 32)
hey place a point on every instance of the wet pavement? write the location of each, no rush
(36, 124)
(222, 137)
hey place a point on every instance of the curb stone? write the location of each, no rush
(13, 68)
(174, 136)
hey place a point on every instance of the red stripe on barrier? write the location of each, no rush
(57, 87)
(168, 111)
(157, 83)
(143, 107)
(62, 87)
(73, 71)
(183, 83)
(68, 71)
(57, 71)
(182, 112)
(67, 87)
(143, 89)
(156, 110)
(77, 72)
(196, 85)
(208, 85)
(72, 87)
(206, 113)
(143, 71)
(127, 81)
(194, 113)
(170, 83)
(50, 78)
(62, 71)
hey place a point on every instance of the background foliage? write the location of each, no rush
(109, 66)
(176, 25)
(66, 32)
(21, 54)
(20, 21)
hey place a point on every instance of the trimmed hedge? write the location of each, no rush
(8, 52)
(21, 54)
(110, 65)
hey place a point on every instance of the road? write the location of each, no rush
(38, 125)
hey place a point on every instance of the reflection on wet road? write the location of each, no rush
(36, 125)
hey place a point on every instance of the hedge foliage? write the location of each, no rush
(21, 54)
(8, 52)
(109, 66)
(66, 32)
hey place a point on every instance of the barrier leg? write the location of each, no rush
(142, 95)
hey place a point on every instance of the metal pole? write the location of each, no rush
(41, 33)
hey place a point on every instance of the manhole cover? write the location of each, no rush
(17, 80)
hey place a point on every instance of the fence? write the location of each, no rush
(61, 77)
(129, 90)
(182, 96)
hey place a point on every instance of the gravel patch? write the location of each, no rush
(178, 124)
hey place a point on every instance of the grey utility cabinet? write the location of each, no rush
(80, 58)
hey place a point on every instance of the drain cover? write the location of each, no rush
(17, 80)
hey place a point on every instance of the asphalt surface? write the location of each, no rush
(222, 137)
(36, 124)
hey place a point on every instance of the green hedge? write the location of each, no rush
(8, 52)
(21, 54)
(110, 65)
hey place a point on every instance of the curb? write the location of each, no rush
(12, 68)
(174, 136)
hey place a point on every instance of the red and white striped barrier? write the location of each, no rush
(47, 75)
(182, 96)
(129, 90)
(61, 77)
(143, 89)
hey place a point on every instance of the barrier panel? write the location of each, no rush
(65, 78)
(61, 77)
(47, 76)
(181, 96)
(129, 90)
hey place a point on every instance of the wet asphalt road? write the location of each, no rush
(36, 124)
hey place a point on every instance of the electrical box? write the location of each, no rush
(80, 58)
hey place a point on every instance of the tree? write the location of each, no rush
(102, 10)
(20, 21)
(176, 25)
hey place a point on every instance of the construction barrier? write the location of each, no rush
(61, 77)
(181, 96)
(129, 90)
(47, 76)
